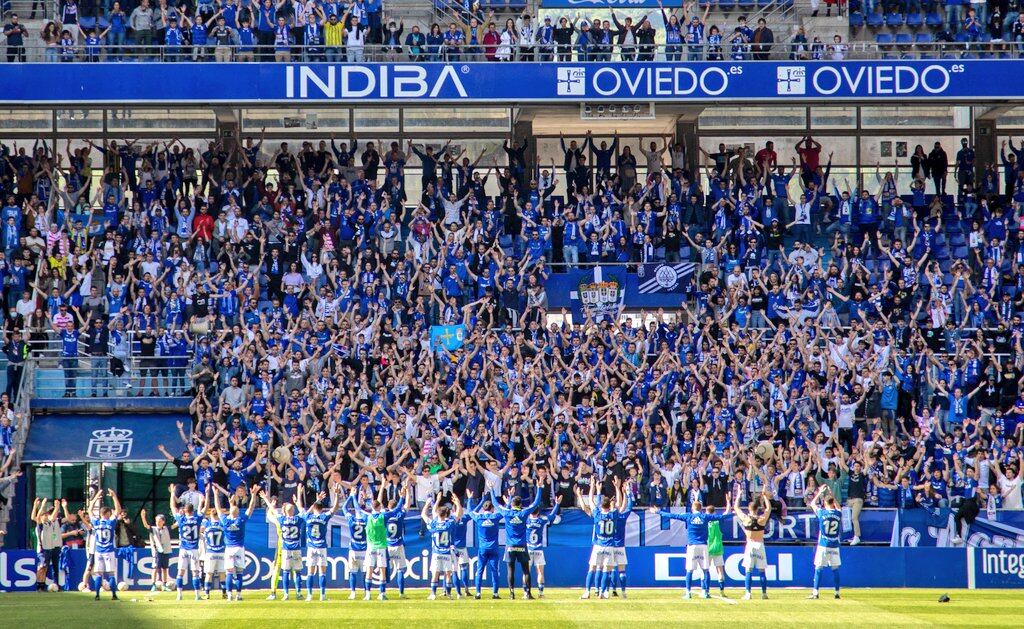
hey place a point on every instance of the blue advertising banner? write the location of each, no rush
(648, 567)
(995, 568)
(100, 438)
(885, 80)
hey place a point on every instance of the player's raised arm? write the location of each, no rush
(425, 513)
(627, 504)
(815, 501)
(253, 497)
(581, 503)
(216, 502)
(114, 498)
(767, 510)
(498, 506)
(536, 500)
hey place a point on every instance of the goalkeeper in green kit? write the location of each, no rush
(716, 553)
(377, 549)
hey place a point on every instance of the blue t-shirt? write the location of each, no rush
(357, 530)
(188, 530)
(696, 524)
(235, 529)
(316, 528)
(515, 522)
(487, 527)
(535, 526)
(604, 528)
(620, 523)
(394, 520)
(459, 531)
(829, 527)
(103, 531)
(213, 535)
(441, 536)
(291, 531)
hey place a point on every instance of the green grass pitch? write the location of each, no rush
(872, 608)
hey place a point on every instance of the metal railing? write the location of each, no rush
(92, 376)
(115, 374)
(726, 53)
(23, 421)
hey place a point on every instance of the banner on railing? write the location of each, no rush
(101, 439)
(936, 527)
(665, 277)
(563, 289)
(598, 293)
(888, 80)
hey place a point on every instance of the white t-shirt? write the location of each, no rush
(1009, 488)
(846, 414)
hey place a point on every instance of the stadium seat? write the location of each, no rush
(883, 39)
(726, 5)
(934, 20)
(856, 20)
(915, 20)
(875, 20)
(894, 20)
(764, 4)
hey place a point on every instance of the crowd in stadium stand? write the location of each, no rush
(864, 336)
(963, 21)
(362, 30)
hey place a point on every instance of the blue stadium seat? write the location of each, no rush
(894, 20)
(924, 38)
(915, 20)
(747, 5)
(764, 4)
(934, 20)
(904, 39)
(883, 39)
(726, 5)
(856, 20)
(875, 20)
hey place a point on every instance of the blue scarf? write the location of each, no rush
(65, 565)
(127, 555)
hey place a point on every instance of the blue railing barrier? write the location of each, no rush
(702, 81)
(648, 567)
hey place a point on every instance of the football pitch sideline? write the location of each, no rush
(560, 608)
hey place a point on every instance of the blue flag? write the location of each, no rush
(450, 337)
(665, 278)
